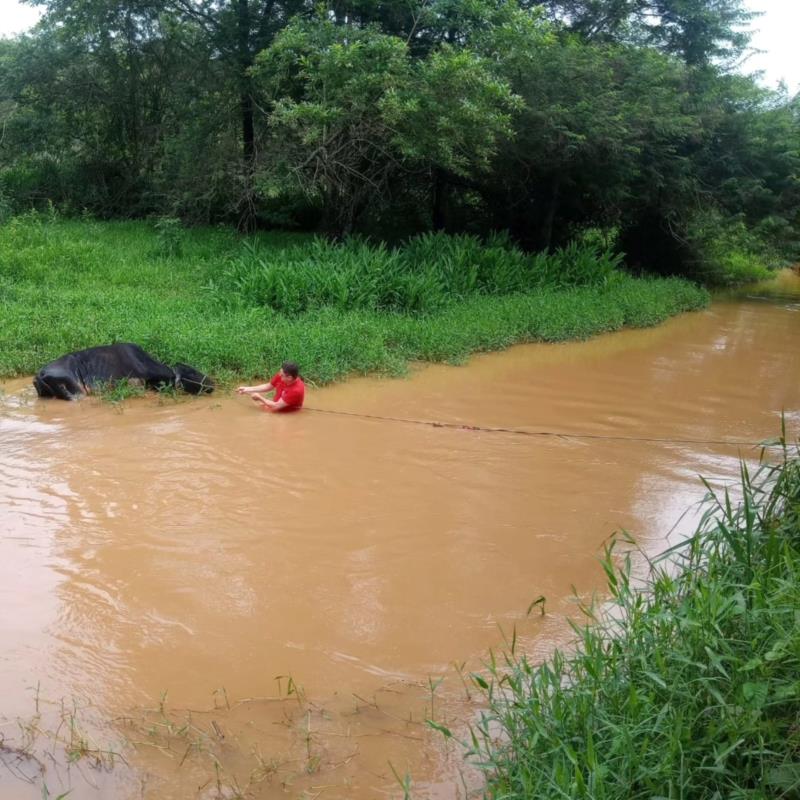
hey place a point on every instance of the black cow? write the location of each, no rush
(76, 374)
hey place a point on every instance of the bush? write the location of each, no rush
(726, 253)
(336, 299)
(430, 272)
(686, 686)
(169, 234)
(6, 209)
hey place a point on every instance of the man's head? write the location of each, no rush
(289, 372)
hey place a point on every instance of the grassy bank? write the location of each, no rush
(692, 691)
(236, 307)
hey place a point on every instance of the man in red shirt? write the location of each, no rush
(289, 390)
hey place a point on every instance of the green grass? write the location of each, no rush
(208, 298)
(687, 687)
(426, 275)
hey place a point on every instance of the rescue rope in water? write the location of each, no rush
(551, 434)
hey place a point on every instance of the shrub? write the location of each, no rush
(169, 236)
(342, 301)
(430, 272)
(684, 685)
(726, 253)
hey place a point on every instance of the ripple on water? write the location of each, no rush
(201, 544)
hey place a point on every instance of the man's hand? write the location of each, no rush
(252, 390)
(261, 400)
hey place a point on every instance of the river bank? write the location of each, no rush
(209, 298)
(685, 686)
(164, 560)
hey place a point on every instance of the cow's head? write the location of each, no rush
(191, 380)
(42, 389)
(63, 386)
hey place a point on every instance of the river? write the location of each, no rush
(273, 604)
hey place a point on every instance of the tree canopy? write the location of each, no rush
(388, 117)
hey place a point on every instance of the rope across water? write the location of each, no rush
(551, 434)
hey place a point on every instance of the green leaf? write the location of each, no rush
(446, 732)
(479, 680)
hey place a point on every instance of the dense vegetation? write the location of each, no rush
(685, 687)
(238, 306)
(395, 117)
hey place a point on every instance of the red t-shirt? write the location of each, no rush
(292, 395)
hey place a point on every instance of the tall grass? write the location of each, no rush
(432, 271)
(209, 300)
(689, 688)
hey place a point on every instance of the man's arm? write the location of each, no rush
(272, 405)
(264, 387)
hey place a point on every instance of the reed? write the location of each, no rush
(235, 307)
(429, 273)
(686, 687)
(116, 392)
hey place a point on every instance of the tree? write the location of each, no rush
(698, 31)
(541, 116)
(351, 109)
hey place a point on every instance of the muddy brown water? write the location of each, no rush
(162, 563)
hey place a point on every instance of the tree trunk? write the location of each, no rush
(550, 213)
(438, 200)
(245, 91)
(247, 215)
(133, 95)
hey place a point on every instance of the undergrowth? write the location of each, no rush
(687, 687)
(235, 308)
(431, 272)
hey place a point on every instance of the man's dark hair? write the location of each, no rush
(290, 368)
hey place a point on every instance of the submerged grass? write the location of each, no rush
(687, 688)
(236, 307)
(281, 743)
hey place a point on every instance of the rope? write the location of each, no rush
(552, 434)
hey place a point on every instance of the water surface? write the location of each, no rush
(164, 556)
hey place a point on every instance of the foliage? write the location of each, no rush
(428, 273)
(351, 109)
(697, 31)
(683, 687)
(119, 391)
(113, 290)
(727, 253)
(170, 236)
(6, 209)
(400, 116)
(602, 139)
